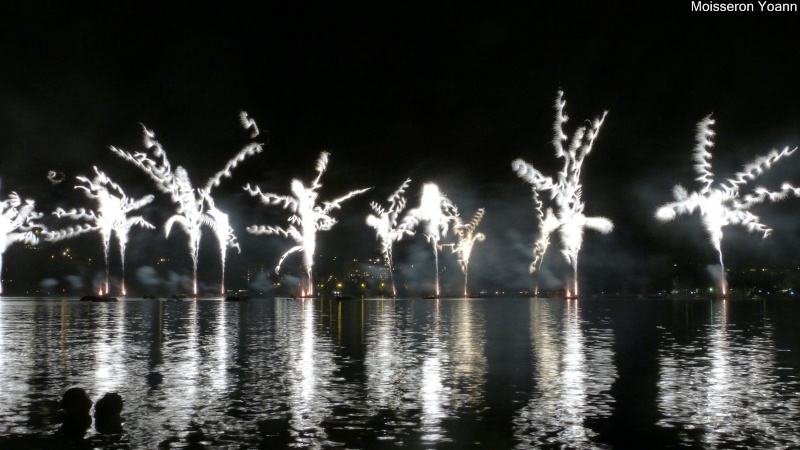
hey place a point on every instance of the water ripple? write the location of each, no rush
(723, 388)
(573, 372)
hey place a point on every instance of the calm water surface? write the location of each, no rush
(477, 373)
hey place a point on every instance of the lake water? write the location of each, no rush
(452, 374)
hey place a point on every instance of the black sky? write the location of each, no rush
(450, 92)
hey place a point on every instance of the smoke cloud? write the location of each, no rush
(75, 282)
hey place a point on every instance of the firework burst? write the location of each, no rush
(18, 224)
(110, 217)
(194, 207)
(466, 238)
(306, 219)
(387, 227)
(435, 215)
(565, 192)
(723, 204)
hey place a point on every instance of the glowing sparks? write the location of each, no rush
(111, 217)
(17, 224)
(724, 205)
(195, 207)
(249, 124)
(55, 177)
(466, 235)
(436, 213)
(387, 228)
(548, 224)
(306, 219)
(221, 227)
(565, 192)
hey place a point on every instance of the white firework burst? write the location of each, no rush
(723, 204)
(567, 217)
(306, 219)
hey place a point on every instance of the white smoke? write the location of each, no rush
(75, 282)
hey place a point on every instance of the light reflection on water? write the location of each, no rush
(432, 391)
(573, 371)
(109, 348)
(723, 387)
(419, 374)
(448, 373)
(310, 373)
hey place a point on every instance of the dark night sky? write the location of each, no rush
(449, 92)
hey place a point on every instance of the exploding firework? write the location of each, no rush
(565, 193)
(387, 227)
(466, 238)
(17, 224)
(306, 219)
(192, 204)
(110, 217)
(435, 214)
(724, 205)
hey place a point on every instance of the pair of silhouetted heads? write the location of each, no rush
(77, 404)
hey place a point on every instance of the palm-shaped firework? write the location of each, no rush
(724, 205)
(435, 213)
(110, 217)
(191, 213)
(17, 224)
(565, 192)
(387, 227)
(466, 238)
(307, 218)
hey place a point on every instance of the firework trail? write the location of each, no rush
(110, 217)
(387, 228)
(724, 205)
(565, 192)
(191, 213)
(221, 227)
(548, 224)
(466, 238)
(435, 213)
(306, 219)
(18, 223)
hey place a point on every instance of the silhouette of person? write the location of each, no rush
(76, 405)
(107, 411)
